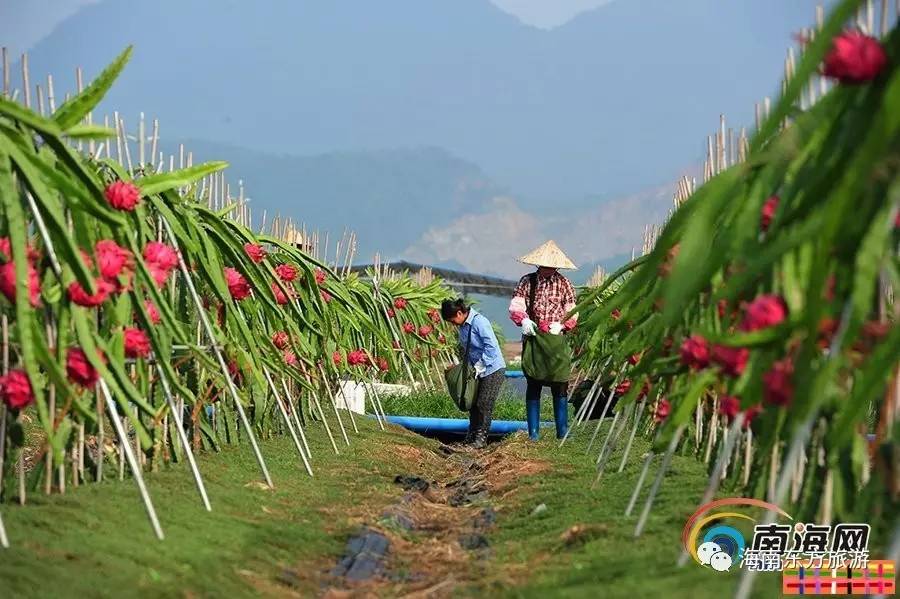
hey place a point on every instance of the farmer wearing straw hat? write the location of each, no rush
(540, 305)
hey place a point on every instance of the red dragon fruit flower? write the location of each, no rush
(434, 316)
(441, 339)
(763, 312)
(320, 276)
(78, 295)
(286, 272)
(854, 58)
(733, 360)
(6, 251)
(751, 413)
(544, 326)
(122, 195)
(570, 324)
(616, 314)
(256, 252)
(112, 259)
(281, 340)
(238, 286)
(770, 207)
(161, 259)
(357, 357)
(8, 283)
(623, 387)
(425, 330)
(280, 296)
(695, 352)
(337, 358)
(729, 406)
(409, 328)
(289, 358)
(395, 344)
(137, 344)
(400, 303)
(779, 390)
(722, 307)
(633, 359)
(161, 255)
(15, 390)
(383, 365)
(645, 390)
(152, 312)
(391, 313)
(326, 297)
(663, 409)
(78, 369)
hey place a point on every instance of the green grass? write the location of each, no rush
(614, 563)
(95, 541)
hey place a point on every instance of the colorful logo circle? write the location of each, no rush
(721, 546)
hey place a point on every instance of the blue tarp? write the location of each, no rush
(515, 374)
(457, 425)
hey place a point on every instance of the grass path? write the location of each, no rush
(96, 541)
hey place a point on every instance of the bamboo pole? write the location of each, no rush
(5, 54)
(287, 421)
(198, 304)
(663, 468)
(132, 462)
(294, 411)
(26, 85)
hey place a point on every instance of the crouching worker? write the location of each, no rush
(479, 346)
(540, 305)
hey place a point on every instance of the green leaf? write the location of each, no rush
(96, 132)
(19, 113)
(72, 112)
(155, 184)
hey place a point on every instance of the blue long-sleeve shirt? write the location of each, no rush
(485, 346)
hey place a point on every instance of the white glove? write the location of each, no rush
(528, 327)
(555, 328)
(479, 368)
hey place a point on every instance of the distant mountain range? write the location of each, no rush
(441, 132)
(617, 98)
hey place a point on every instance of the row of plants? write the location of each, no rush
(127, 298)
(760, 330)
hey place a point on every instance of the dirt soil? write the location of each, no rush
(432, 540)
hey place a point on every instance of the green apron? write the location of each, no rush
(462, 383)
(545, 357)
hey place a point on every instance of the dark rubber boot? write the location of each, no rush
(533, 414)
(561, 416)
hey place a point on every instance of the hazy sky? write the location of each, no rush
(547, 13)
(24, 22)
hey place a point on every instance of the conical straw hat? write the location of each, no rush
(548, 255)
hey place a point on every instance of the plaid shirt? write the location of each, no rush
(553, 300)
